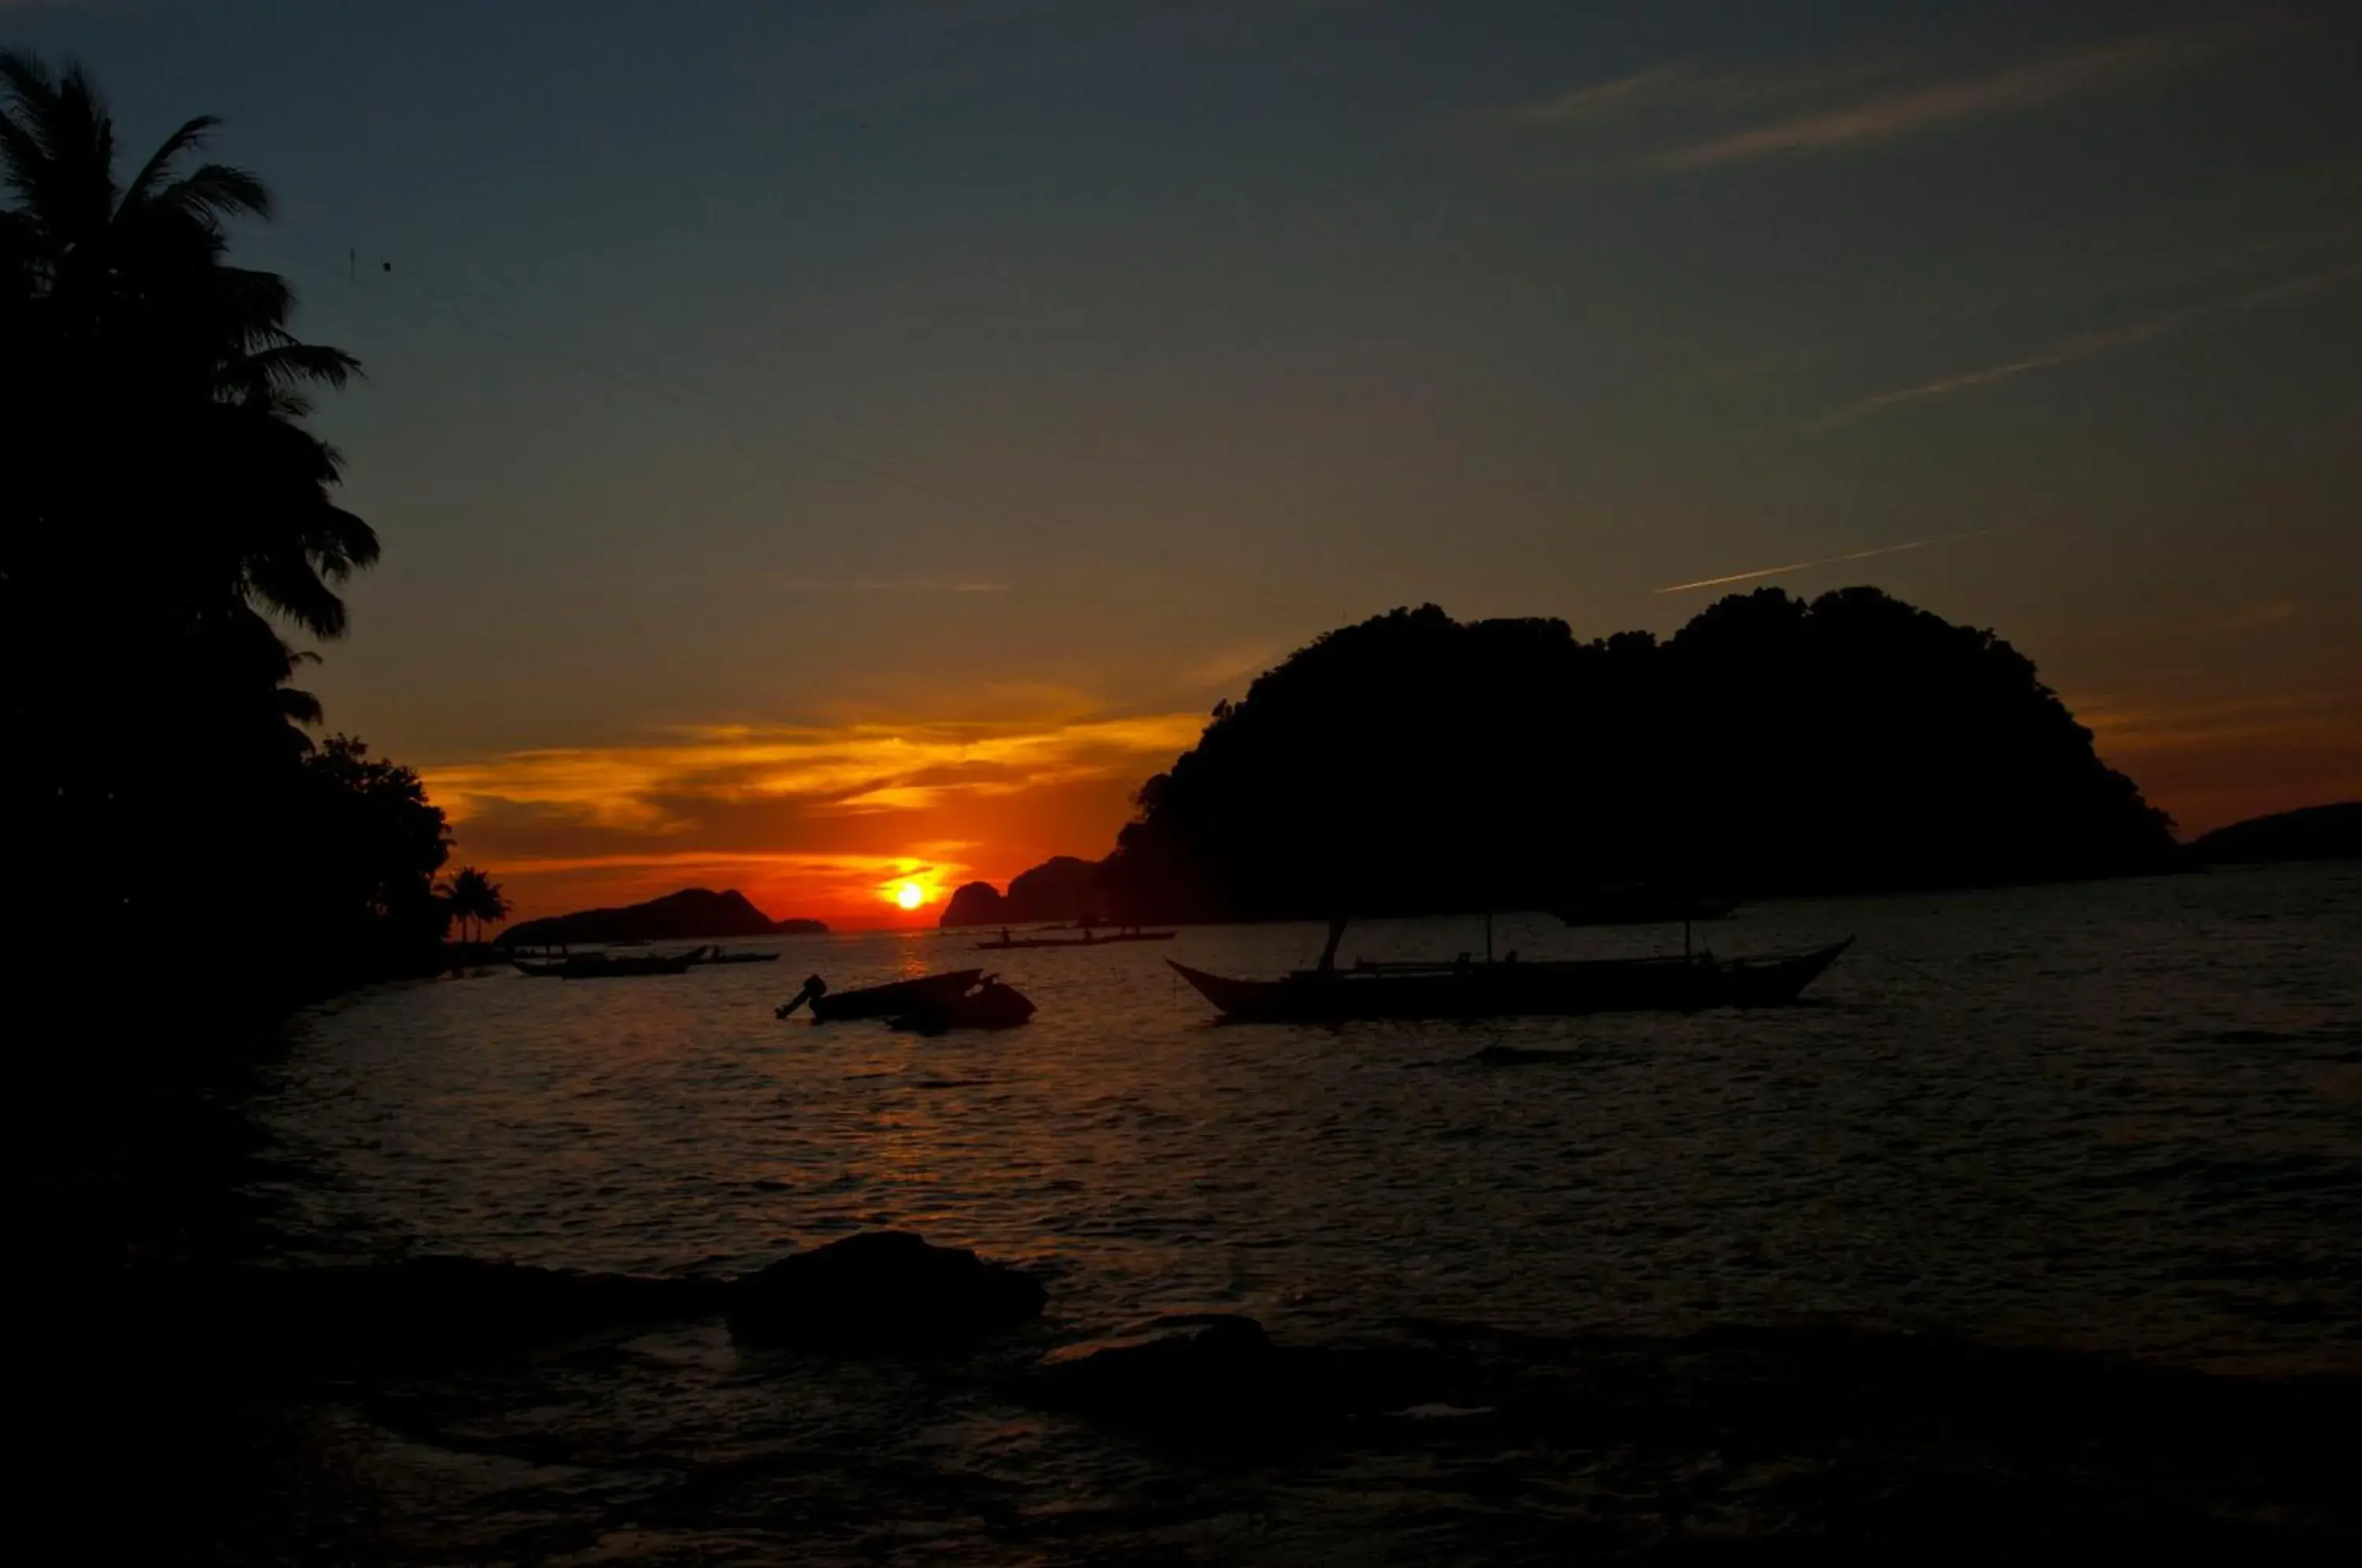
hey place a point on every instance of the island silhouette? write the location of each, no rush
(2315, 833)
(693, 914)
(1063, 888)
(1412, 764)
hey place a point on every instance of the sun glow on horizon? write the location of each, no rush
(909, 895)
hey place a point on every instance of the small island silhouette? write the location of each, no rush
(693, 914)
(1063, 889)
(2316, 833)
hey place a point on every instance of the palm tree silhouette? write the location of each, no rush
(121, 308)
(474, 899)
(166, 518)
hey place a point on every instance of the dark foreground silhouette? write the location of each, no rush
(168, 530)
(693, 914)
(270, 1393)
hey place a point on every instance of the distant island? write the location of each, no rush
(2316, 833)
(1414, 763)
(693, 914)
(1063, 888)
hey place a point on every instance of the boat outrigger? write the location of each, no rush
(1511, 989)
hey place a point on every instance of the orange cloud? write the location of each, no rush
(806, 820)
(2019, 88)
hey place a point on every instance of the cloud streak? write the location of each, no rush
(849, 768)
(2017, 89)
(1686, 85)
(1824, 108)
(1729, 578)
(2087, 346)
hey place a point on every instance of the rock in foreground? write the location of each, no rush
(883, 1291)
(1219, 1377)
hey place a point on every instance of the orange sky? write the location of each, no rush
(814, 820)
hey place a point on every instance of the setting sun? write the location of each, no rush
(909, 895)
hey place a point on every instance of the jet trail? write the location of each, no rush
(1824, 560)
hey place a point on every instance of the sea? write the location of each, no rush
(2064, 1164)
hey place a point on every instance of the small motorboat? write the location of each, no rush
(705, 956)
(992, 1005)
(889, 1001)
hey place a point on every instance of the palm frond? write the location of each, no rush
(288, 585)
(291, 364)
(191, 136)
(300, 707)
(215, 192)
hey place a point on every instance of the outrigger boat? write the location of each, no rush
(1464, 988)
(1087, 940)
(606, 967)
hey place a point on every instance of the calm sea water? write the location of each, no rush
(2122, 1117)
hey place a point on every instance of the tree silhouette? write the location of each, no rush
(166, 521)
(1414, 763)
(475, 901)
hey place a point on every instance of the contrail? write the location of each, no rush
(1827, 560)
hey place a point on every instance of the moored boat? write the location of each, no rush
(1514, 988)
(889, 1001)
(1088, 939)
(606, 965)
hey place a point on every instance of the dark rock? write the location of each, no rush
(885, 1290)
(1220, 1377)
(693, 914)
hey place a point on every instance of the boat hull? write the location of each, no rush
(895, 998)
(1514, 990)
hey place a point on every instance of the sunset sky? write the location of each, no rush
(823, 444)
